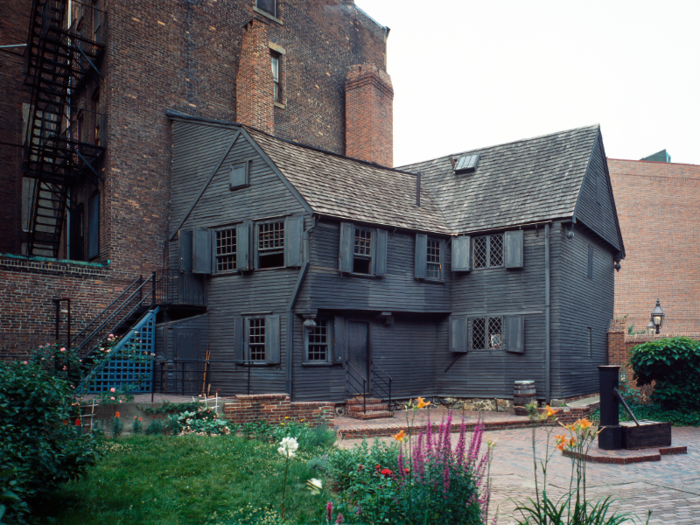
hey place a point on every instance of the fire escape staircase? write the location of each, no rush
(58, 63)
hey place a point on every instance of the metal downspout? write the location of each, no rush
(290, 312)
(547, 348)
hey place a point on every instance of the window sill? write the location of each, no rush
(280, 105)
(433, 281)
(267, 15)
(360, 275)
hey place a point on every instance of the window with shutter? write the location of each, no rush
(363, 251)
(270, 244)
(185, 251)
(201, 251)
(460, 254)
(257, 341)
(458, 333)
(486, 333)
(380, 265)
(243, 247)
(347, 239)
(421, 256)
(272, 339)
(515, 333)
(433, 259)
(293, 243)
(225, 246)
(514, 249)
(488, 251)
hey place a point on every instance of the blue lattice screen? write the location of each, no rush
(130, 367)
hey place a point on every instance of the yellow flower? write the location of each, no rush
(572, 442)
(400, 436)
(549, 411)
(286, 417)
(422, 403)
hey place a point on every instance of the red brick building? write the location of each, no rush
(298, 69)
(658, 205)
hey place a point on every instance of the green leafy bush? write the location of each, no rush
(41, 440)
(344, 463)
(674, 365)
(204, 421)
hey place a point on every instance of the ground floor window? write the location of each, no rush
(486, 333)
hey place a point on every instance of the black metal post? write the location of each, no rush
(610, 437)
(153, 290)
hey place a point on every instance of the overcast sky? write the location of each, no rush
(468, 74)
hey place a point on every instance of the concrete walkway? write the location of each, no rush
(670, 487)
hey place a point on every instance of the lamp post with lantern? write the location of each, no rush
(657, 316)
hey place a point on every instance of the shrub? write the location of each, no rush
(116, 425)
(343, 464)
(674, 365)
(41, 440)
(156, 428)
(204, 421)
(137, 425)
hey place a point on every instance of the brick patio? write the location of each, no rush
(669, 487)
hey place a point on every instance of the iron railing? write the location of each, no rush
(355, 385)
(380, 383)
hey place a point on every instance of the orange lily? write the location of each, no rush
(116, 414)
(560, 438)
(400, 436)
(422, 403)
(561, 445)
(584, 423)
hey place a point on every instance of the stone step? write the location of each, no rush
(372, 415)
(358, 401)
(370, 408)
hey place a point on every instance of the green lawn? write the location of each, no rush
(189, 480)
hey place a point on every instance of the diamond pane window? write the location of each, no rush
(226, 250)
(318, 342)
(256, 339)
(480, 252)
(496, 250)
(495, 333)
(478, 339)
(433, 270)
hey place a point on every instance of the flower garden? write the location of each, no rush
(196, 467)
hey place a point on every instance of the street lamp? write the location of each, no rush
(651, 328)
(657, 316)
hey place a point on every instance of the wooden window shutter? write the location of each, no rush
(380, 254)
(347, 242)
(293, 241)
(590, 261)
(461, 258)
(239, 337)
(339, 339)
(243, 247)
(239, 175)
(272, 339)
(201, 251)
(515, 334)
(186, 251)
(421, 261)
(514, 249)
(458, 333)
(94, 226)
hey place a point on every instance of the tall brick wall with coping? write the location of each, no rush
(658, 205)
(369, 98)
(158, 56)
(276, 408)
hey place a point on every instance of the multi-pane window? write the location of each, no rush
(226, 250)
(271, 244)
(488, 251)
(433, 269)
(487, 333)
(269, 6)
(363, 251)
(275, 59)
(318, 342)
(256, 339)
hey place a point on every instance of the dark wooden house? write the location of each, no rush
(453, 277)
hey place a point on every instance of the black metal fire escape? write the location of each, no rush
(58, 64)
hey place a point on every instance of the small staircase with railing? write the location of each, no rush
(368, 400)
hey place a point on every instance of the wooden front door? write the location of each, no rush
(358, 352)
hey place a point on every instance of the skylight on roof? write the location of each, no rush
(467, 163)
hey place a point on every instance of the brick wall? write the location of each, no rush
(658, 205)
(167, 55)
(369, 115)
(276, 408)
(255, 102)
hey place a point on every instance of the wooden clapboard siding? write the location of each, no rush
(165, 345)
(584, 303)
(598, 216)
(398, 291)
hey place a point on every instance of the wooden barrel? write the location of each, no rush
(524, 393)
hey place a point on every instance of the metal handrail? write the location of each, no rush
(383, 380)
(117, 311)
(364, 386)
(105, 310)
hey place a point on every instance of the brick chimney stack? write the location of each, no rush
(369, 117)
(255, 103)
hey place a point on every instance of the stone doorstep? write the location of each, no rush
(381, 414)
(374, 407)
(638, 457)
(370, 401)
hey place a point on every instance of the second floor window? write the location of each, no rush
(271, 244)
(488, 251)
(226, 250)
(362, 256)
(433, 262)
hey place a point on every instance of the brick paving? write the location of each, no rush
(669, 487)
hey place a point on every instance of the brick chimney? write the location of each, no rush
(255, 102)
(369, 117)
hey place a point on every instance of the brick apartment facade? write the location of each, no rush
(211, 60)
(658, 205)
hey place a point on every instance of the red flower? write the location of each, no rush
(77, 422)
(377, 467)
(386, 472)
(406, 470)
(65, 422)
